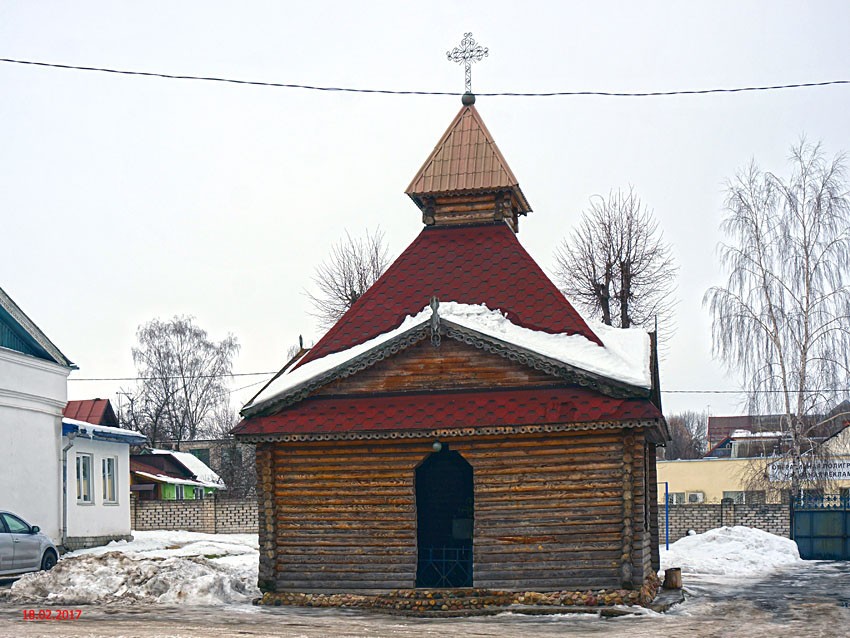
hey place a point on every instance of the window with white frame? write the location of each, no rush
(676, 498)
(84, 482)
(108, 473)
(199, 493)
(178, 492)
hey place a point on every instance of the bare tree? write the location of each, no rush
(616, 265)
(182, 382)
(782, 320)
(689, 435)
(353, 265)
(235, 462)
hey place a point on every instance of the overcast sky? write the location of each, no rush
(128, 198)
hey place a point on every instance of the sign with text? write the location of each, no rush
(833, 470)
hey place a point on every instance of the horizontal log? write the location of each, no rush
(366, 517)
(406, 549)
(308, 500)
(366, 561)
(340, 571)
(566, 465)
(342, 586)
(354, 538)
(534, 528)
(314, 490)
(564, 474)
(608, 489)
(319, 507)
(545, 571)
(363, 545)
(543, 501)
(342, 466)
(335, 481)
(586, 580)
(378, 474)
(484, 197)
(507, 544)
(501, 510)
(332, 526)
(544, 518)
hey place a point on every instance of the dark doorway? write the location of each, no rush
(444, 517)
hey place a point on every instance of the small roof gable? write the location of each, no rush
(466, 159)
(483, 264)
(195, 466)
(97, 411)
(18, 332)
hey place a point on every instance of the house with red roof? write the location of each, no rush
(462, 424)
(98, 411)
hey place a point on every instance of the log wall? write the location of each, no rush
(552, 511)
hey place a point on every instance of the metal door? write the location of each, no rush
(821, 527)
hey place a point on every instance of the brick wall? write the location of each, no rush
(774, 518)
(211, 515)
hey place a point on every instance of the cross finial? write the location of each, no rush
(468, 52)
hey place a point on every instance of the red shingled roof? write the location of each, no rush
(96, 411)
(432, 411)
(471, 264)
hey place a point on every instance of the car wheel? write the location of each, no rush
(48, 561)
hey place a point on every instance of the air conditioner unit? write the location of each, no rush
(696, 497)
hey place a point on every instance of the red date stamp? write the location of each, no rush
(52, 614)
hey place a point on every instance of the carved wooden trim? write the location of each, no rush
(495, 430)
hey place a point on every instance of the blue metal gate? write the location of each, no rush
(821, 527)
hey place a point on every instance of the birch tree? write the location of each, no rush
(782, 318)
(352, 266)
(182, 383)
(616, 265)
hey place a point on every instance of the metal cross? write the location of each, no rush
(468, 52)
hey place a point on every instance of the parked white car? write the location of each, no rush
(23, 548)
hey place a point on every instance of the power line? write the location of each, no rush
(309, 87)
(257, 374)
(200, 376)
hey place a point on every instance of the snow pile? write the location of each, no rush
(731, 551)
(624, 357)
(157, 567)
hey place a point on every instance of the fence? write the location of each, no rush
(771, 517)
(213, 515)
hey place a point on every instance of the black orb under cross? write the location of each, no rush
(468, 52)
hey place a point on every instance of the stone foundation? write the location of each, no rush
(73, 543)
(462, 602)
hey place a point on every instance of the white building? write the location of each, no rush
(33, 446)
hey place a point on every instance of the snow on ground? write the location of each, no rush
(731, 551)
(161, 567)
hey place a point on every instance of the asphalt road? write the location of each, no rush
(810, 601)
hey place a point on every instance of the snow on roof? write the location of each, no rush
(625, 356)
(746, 434)
(164, 478)
(196, 466)
(90, 429)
